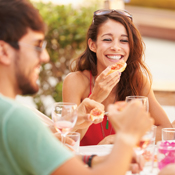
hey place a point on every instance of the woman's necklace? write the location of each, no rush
(103, 132)
(107, 125)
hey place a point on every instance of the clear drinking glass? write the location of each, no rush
(64, 116)
(168, 134)
(76, 137)
(142, 99)
(146, 139)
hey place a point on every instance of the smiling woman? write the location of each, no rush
(112, 37)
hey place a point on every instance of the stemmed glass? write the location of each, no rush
(146, 139)
(142, 99)
(64, 116)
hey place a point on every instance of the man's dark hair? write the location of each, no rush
(16, 16)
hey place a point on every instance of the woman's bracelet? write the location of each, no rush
(87, 159)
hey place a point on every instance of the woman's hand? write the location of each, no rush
(107, 140)
(104, 84)
(84, 110)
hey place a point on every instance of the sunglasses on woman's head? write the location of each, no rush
(105, 12)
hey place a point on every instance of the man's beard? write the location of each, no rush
(24, 84)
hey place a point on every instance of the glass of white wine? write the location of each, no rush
(64, 116)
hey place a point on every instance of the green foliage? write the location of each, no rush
(163, 4)
(67, 28)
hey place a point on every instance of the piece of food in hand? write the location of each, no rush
(96, 114)
(119, 66)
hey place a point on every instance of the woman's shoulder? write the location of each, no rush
(78, 76)
(76, 83)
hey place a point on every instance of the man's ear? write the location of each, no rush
(5, 52)
(92, 45)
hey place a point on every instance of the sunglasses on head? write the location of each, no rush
(105, 12)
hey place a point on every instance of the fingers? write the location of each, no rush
(111, 79)
(137, 163)
(120, 105)
(96, 121)
(136, 110)
(105, 72)
(91, 104)
(134, 168)
(104, 84)
(114, 115)
(84, 109)
(83, 118)
(133, 120)
(71, 149)
(66, 139)
(139, 118)
(139, 159)
(107, 140)
(69, 141)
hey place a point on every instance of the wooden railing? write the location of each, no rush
(165, 97)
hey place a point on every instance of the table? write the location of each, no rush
(101, 150)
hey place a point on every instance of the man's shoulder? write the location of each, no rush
(7, 104)
(12, 110)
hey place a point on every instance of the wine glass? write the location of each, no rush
(64, 116)
(142, 99)
(146, 139)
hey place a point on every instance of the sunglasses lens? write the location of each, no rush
(104, 12)
(127, 14)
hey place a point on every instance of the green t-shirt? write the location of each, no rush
(26, 145)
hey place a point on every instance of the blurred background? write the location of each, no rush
(68, 22)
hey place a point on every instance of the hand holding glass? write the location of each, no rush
(64, 116)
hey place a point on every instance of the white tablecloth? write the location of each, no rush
(101, 150)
